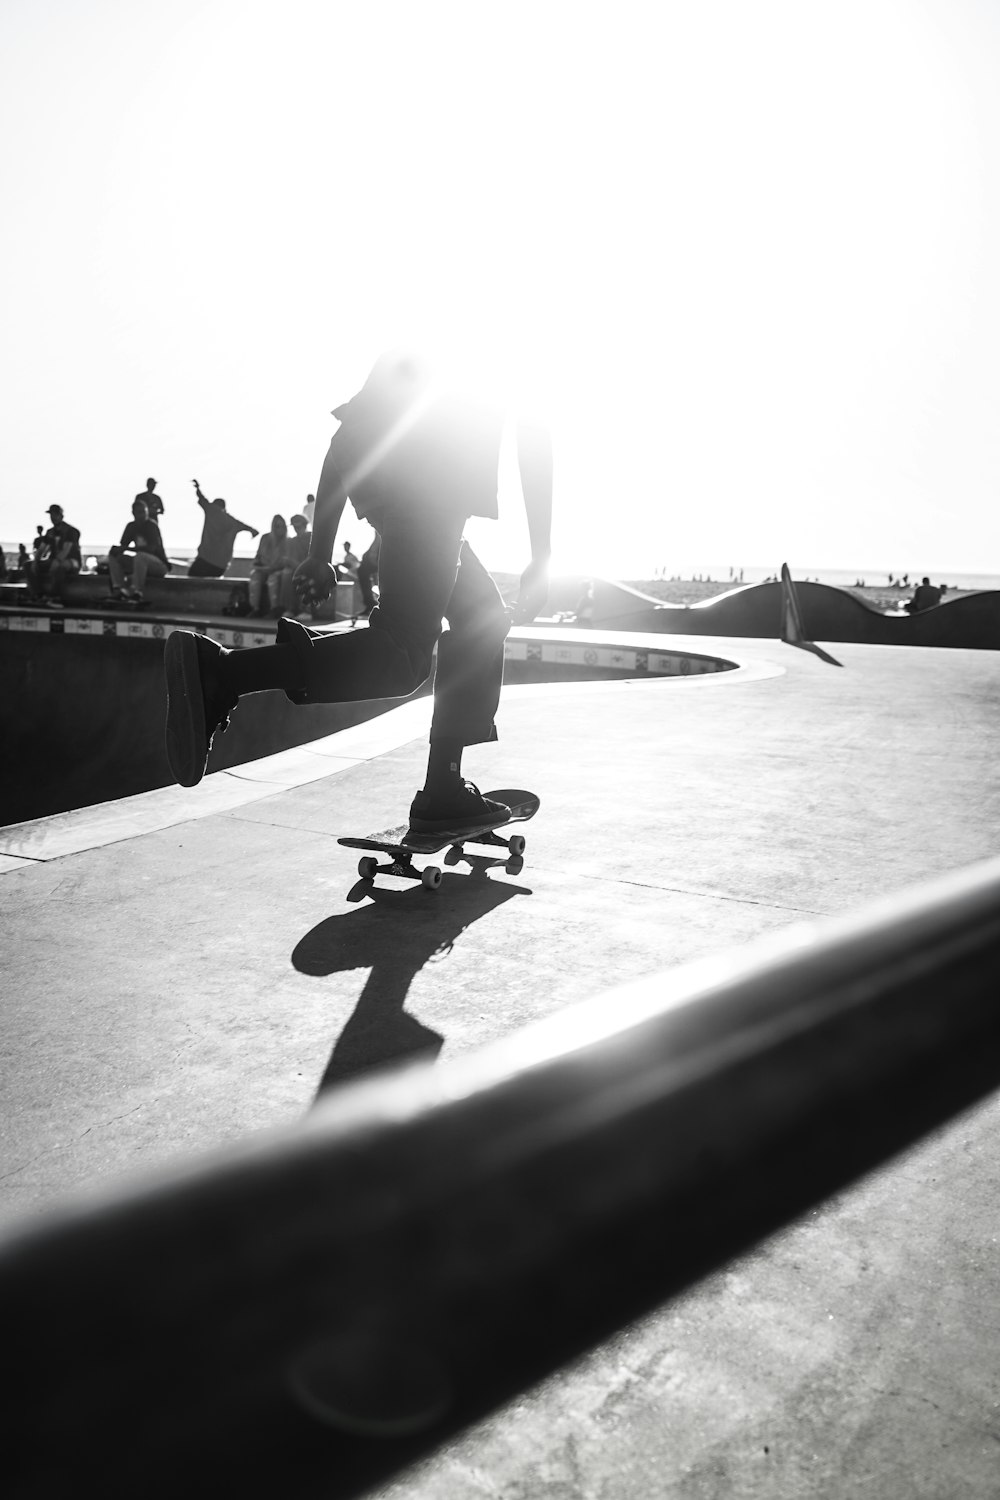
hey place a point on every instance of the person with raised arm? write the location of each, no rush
(218, 537)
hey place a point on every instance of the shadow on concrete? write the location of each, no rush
(816, 651)
(394, 935)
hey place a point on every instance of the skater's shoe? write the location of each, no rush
(197, 704)
(465, 807)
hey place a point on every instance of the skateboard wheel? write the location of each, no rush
(367, 867)
(430, 878)
(516, 843)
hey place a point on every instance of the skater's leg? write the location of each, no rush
(389, 659)
(466, 695)
(470, 657)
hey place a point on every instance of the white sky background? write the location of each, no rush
(751, 250)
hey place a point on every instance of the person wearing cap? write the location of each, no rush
(218, 537)
(417, 453)
(57, 559)
(151, 500)
(141, 550)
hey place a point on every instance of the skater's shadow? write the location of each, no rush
(394, 934)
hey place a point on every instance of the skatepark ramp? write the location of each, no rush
(969, 622)
(429, 1243)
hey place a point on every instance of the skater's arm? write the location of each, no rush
(315, 578)
(331, 497)
(534, 458)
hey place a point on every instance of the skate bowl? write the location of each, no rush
(970, 622)
(89, 695)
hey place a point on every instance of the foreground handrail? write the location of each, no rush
(429, 1243)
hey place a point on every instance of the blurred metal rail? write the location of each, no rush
(428, 1244)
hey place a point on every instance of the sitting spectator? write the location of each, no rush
(218, 535)
(152, 501)
(298, 545)
(925, 596)
(298, 551)
(347, 568)
(140, 552)
(57, 557)
(272, 566)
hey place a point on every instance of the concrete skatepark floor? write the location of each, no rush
(219, 967)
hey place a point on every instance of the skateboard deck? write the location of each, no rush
(402, 842)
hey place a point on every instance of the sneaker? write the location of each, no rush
(55, 604)
(466, 807)
(197, 704)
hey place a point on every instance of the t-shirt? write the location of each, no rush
(144, 536)
(153, 502)
(407, 439)
(57, 536)
(271, 552)
(218, 535)
(298, 546)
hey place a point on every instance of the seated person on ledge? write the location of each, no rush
(140, 552)
(272, 566)
(57, 557)
(925, 596)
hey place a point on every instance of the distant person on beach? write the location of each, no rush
(925, 596)
(218, 537)
(140, 552)
(272, 567)
(309, 508)
(417, 454)
(57, 558)
(151, 500)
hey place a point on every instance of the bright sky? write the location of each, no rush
(750, 250)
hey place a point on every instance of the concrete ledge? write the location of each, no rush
(177, 593)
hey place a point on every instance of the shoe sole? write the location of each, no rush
(444, 825)
(187, 750)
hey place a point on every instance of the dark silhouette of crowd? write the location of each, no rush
(140, 554)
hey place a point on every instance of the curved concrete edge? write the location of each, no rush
(45, 839)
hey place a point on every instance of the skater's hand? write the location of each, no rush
(313, 580)
(533, 592)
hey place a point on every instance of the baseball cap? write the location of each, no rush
(50, 508)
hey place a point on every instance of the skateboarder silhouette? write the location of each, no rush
(417, 454)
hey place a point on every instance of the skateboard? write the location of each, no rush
(402, 842)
